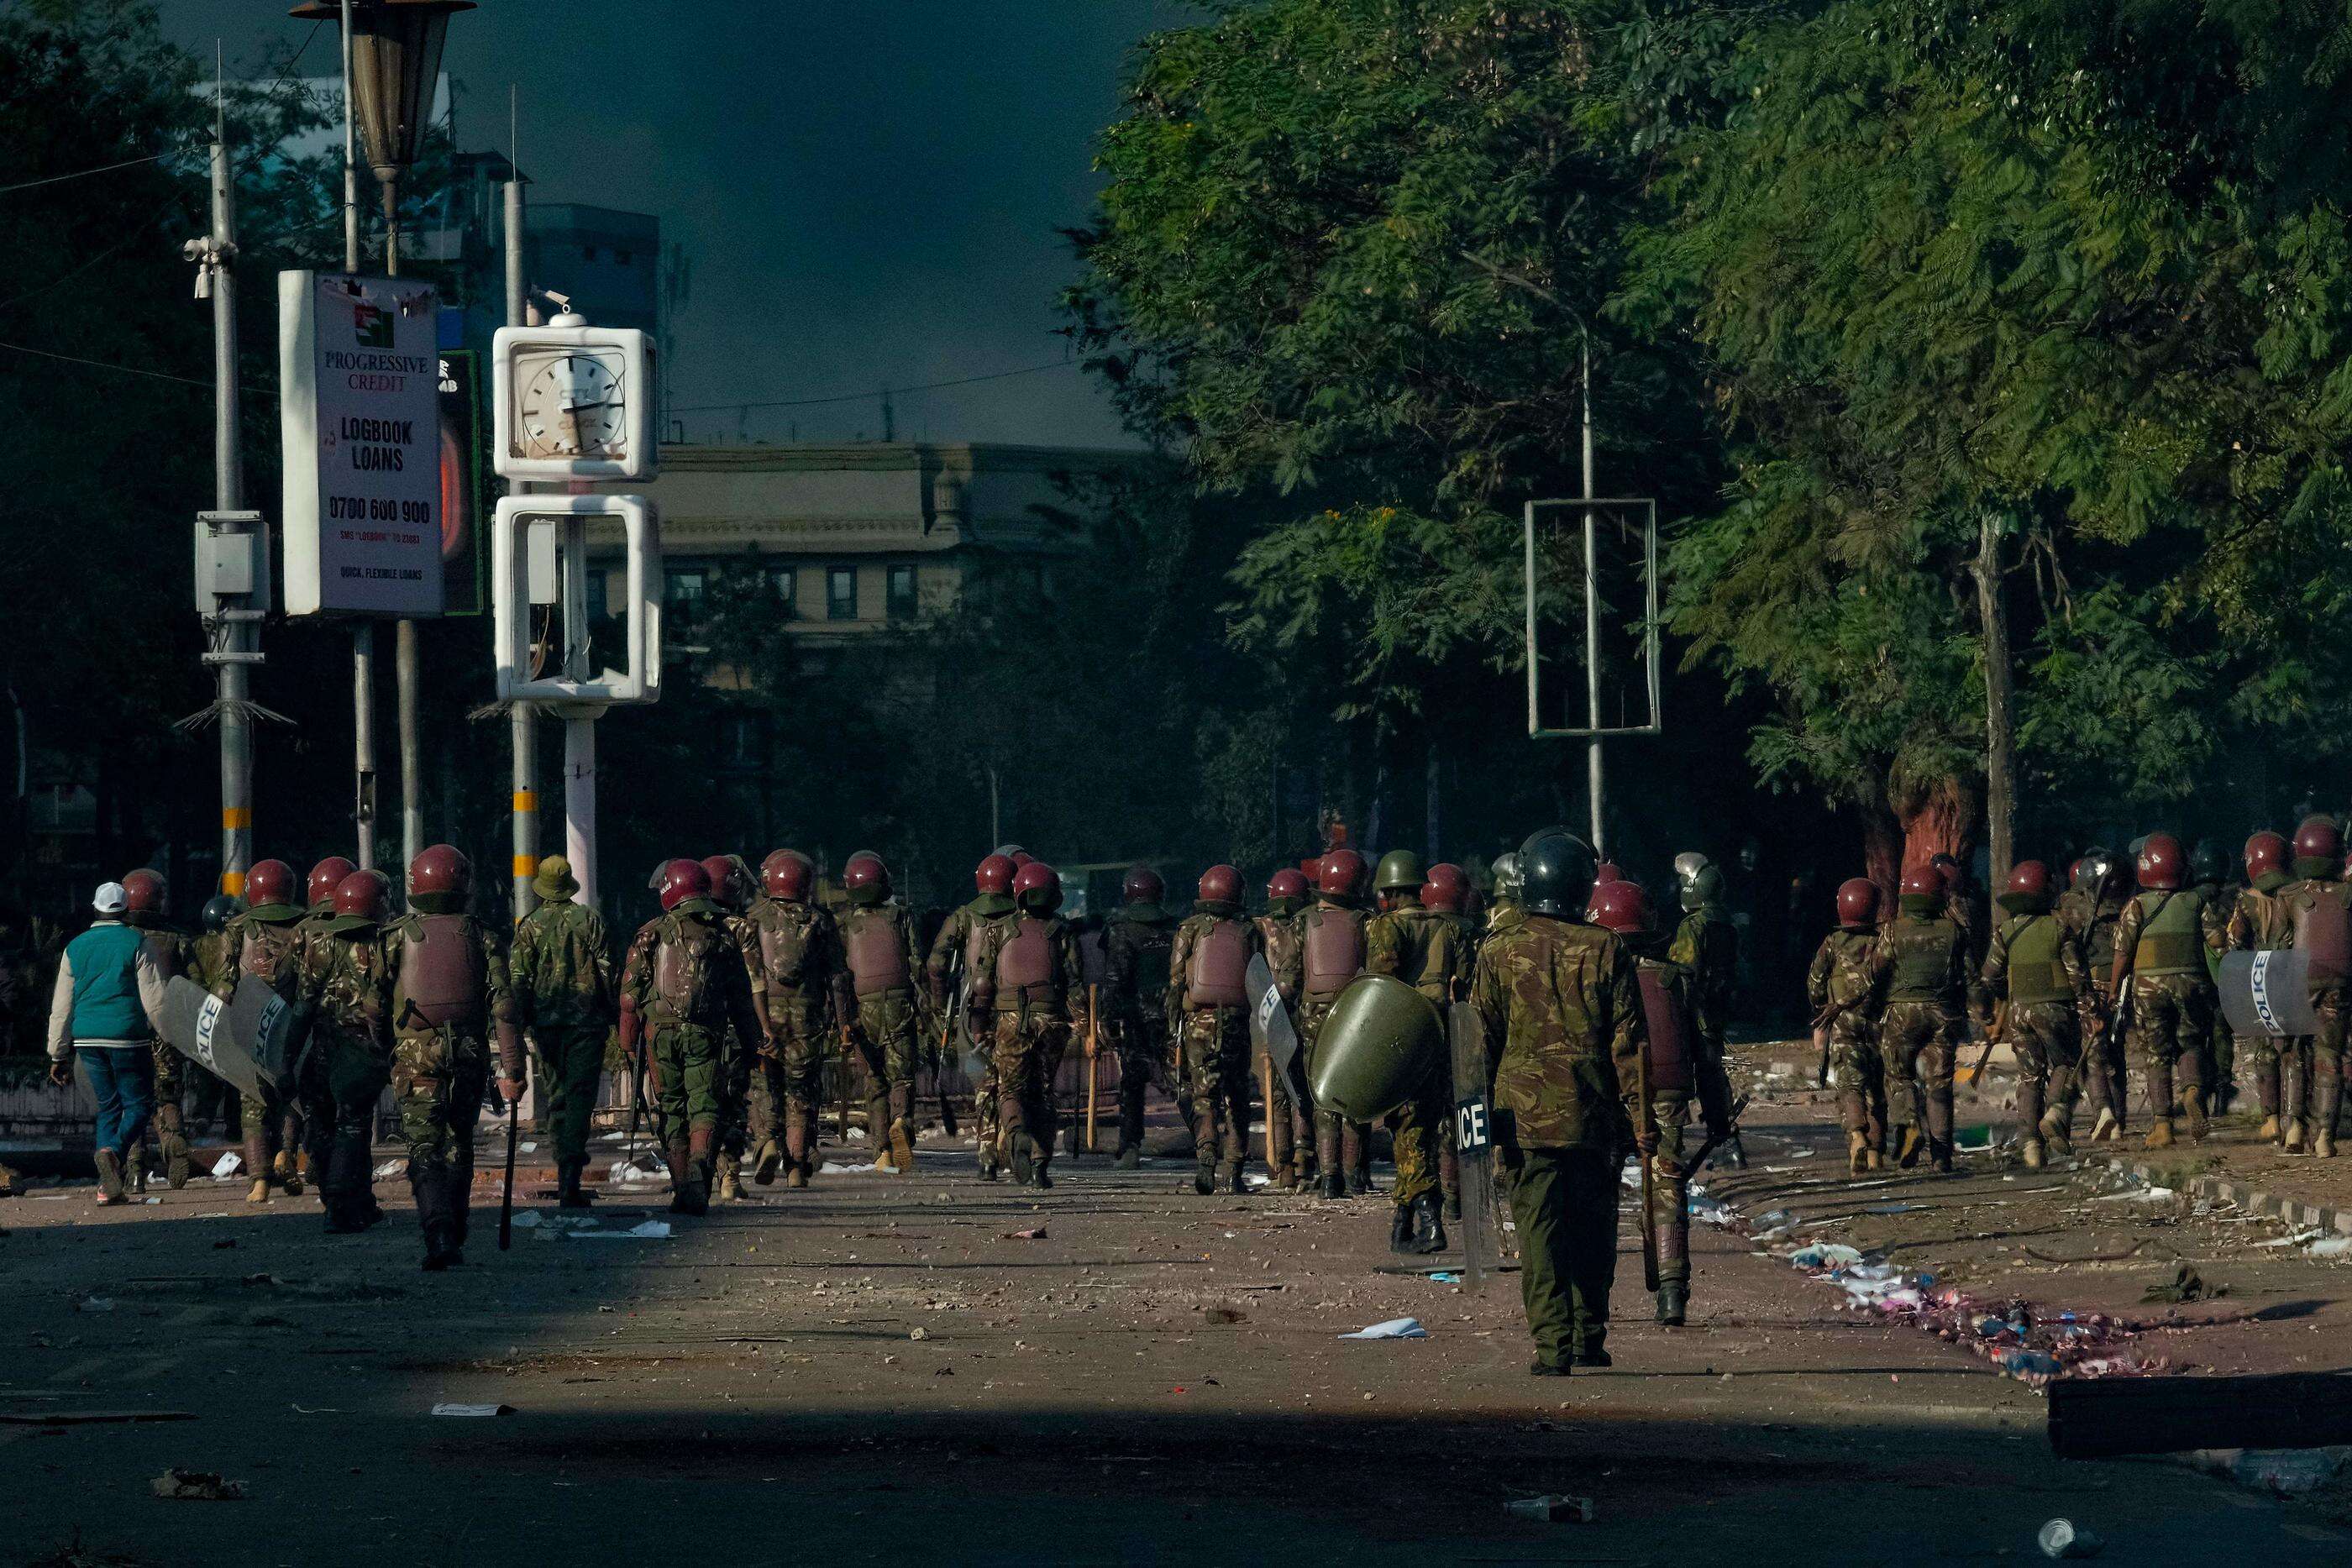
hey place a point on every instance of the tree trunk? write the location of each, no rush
(1882, 851)
(1938, 819)
(2000, 735)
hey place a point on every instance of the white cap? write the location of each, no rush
(111, 899)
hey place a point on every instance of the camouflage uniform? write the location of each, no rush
(1559, 1006)
(1211, 1021)
(2221, 1069)
(343, 987)
(1921, 972)
(439, 1071)
(1840, 983)
(738, 1055)
(2035, 966)
(562, 970)
(1135, 944)
(2321, 1056)
(170, 950)
(684, 978)
(267, 943)
(2259, 922)
(1424, 949)
(211, 964)
(1708, 945)
(2092, 919)
(1669, 1112)
(797, 947)
(1032, 1026)
(884, 1025)
(2161, 957)
(1290, 1124)
(950, 969)
(1342, 1148)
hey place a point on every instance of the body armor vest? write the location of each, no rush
(441, 980)
(2322, 930)
(1668, 1018)
(2035, 974)
(1332, 950)
(877, 958)
(2171, 936)
(1214, 978)
(1026, 962)
(682, 964)
(1923, 961)
(784, 947)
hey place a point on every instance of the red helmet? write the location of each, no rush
(785, 875)
(1922, 882)
(682, 880)
(2162, 862)
(1621, 906)
(1021, 858)
(269, 882)
(1219, 885)
(2028, 884)
(1037, 888)
(864, 878)
(144, 891)
(1447, 889)
(441, 869)
(1339, 874)
(2318, 840)
(1857, 904)
(1607, 872)
(2265, 853)
(1288, 882)
(993, 874)
(1949, 871)
(360, 893)
(1142, 885)
(726, 881)
(327, 876)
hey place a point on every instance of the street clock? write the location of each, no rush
(573, 401)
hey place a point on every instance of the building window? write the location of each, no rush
(599, 606)
(901, 595)
(785, 585)
(841, 594)
(682, 589)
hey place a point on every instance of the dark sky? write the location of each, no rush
(869, 189)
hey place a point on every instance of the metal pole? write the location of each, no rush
(239, 638)
(522, 719)
(403, 647)
(1592, 620)
(363, 631)
(580, 803)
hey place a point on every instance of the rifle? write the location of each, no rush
(1715, 1140)
(506, 1197)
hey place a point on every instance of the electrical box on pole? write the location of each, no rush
(232, 565)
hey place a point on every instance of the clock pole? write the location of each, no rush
(522, 718)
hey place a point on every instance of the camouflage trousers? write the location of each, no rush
(885, 1038)
(1029, 1045)
(686, 1060)
(436, 1085)
(987, 1109)
(1147, 1059)
(2322, 1062)
(1564, 1204)
(1861, 1076)
(1917, 1045)
(2047, 1039)
(1421, 1128)
(2171, 1019)
(171, 1078)
(1216, 1047)
(571, 1070)
(786, 1089)
(1669, 1187)
(1340, 1144)
(342, 1081)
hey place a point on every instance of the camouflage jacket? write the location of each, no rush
(1067, 973)
(722, 997)
(562, 965)
(2094, 924)
(1421, 948)
(1560, 1007)
(1993, 985)
(801, 985)
(343, 985)
(1923, 959)
(1179, 957)
(270, 950)
(1278, 938)
(2259, 920)
(958, 938)
(1708, 946)
(1841, 978)
(212, 962)
(1137, 955)
(746, 937)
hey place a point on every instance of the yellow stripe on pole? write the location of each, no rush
(526, 799)
(237, 819)
(232, 883)
(526, 865)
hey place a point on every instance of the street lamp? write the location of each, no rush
(396, 52)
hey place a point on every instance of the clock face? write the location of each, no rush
(572, 404)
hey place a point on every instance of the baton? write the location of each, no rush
(1715, 1140)
(506, 1198)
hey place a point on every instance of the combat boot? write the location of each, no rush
(1857, 1154)
(2106, 1129)
(2329, 1092)
(1129, 1157)
(1674, 1304)
(1204, 1173)
(2053, 1135)
(902, 1149)
(1877, 1157)
(1335, 1186)
(1023, 1165)
(731, 1182)
(295, 1172)
(689, 1188)
(1908, 1147)
(1428, 1228)
(798, 1176)
(2270, 1129)
(2160, 1134)
(2193, 1103)
(1229, 1179)
(2293, 1142)
(2030, 1151)
(175, 1146)
(259, 1191)
(109, 1178)
(569, 1193)
(1593, 1351)
(134, 1170)
(766, 1161)
(1401, 1229)
(1041, 1174)
(2323, 1144)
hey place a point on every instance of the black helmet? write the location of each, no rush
(1556, 870)
(2208, 866)
(219, 910)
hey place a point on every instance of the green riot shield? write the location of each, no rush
(1474, 1142)
(1380, 1042)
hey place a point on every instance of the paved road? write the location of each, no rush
(1156, 1379)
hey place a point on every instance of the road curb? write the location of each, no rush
(2247, 1197)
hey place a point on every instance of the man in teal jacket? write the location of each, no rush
(108, 995)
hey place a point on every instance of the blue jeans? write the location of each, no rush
(122, 1078)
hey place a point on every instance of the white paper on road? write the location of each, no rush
(228, 1164)
(1395, 1328)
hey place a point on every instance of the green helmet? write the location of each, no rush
(1703, 887)
(1399, 869)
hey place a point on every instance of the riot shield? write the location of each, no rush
(1375, 1049)
(248, 1041)
(1474, 1142)
(2268, 993)
(1271, 1030)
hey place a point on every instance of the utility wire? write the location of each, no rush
(863, 396)
(205, 382)
(84, 173)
